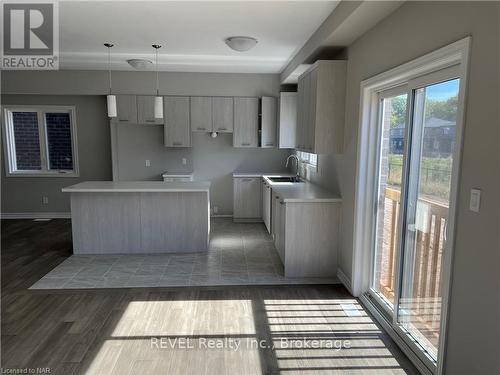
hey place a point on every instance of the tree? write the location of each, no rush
(442, 109)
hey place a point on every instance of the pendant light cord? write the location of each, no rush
(157, 47)
(157, 79)
(109, 69)
(109, 45)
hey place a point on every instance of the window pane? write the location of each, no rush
(59, 141)
(26, 140)
(393, 124)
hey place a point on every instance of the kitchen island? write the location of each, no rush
(139, 217)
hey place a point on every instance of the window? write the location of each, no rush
(310, 159)
(40, 141)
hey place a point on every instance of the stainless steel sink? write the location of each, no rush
(285, 179)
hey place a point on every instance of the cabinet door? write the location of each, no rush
(266, 205)
(146, 110)
(311, 88)
(201, 113)
(268, 118)
(279, 232)
(301, 108)
(176, 112)
(287, 120)
(247, 198)
(222, 114)
(246, 118)
(126, 108)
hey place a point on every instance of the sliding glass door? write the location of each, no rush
(416, 144)
(427, 204)
(392, 127)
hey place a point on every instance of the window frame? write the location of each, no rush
(307, 160)
(9, 143)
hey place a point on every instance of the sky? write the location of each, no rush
(443, 90)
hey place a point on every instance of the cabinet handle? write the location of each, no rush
(201, 129)
(276, 197)
(123, 120)
(245, 144)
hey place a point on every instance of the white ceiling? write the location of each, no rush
(192, 33)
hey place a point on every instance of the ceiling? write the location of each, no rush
(192, 33)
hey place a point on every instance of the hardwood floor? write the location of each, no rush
(319, 329)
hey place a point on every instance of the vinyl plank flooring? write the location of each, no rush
(112, 331)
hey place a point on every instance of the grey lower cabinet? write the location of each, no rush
(177, 127)
(246, 122)
(247, 205)
(222, 114)
(146, 110)
(126, 108)
(266, 205)
(306, 236)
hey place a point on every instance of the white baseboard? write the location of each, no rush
(344, 280)
(35, 215)
(217, 215)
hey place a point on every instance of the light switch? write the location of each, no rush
(475, 200)
(148, 163)
(184, 161)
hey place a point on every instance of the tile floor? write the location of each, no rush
(239, 254)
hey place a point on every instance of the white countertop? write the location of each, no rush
(261, 174)
(137, 186)
(301, 192)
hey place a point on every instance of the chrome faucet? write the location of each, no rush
(293, 156)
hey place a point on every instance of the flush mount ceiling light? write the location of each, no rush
(139, 64)
(111, 99)
(241, 43)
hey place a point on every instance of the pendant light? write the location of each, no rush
(111, 99)
(158, 98)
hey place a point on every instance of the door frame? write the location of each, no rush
(455, 54)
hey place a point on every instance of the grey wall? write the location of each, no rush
(211, 159)
(24, 194)
(412, 31)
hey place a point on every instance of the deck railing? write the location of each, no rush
(423, 305)
(430, 240)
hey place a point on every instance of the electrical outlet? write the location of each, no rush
(45, 200)
(148, 163)
(184, 161)
(475, 200)
(216, 209)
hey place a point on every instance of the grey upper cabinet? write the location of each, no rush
(146, 110)
(321, 108)
(222, 114)
(126, 108)
(176, 115)
(201, 113)
(246, 122)
(269, 113)
(287, 122)
(247, 198)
